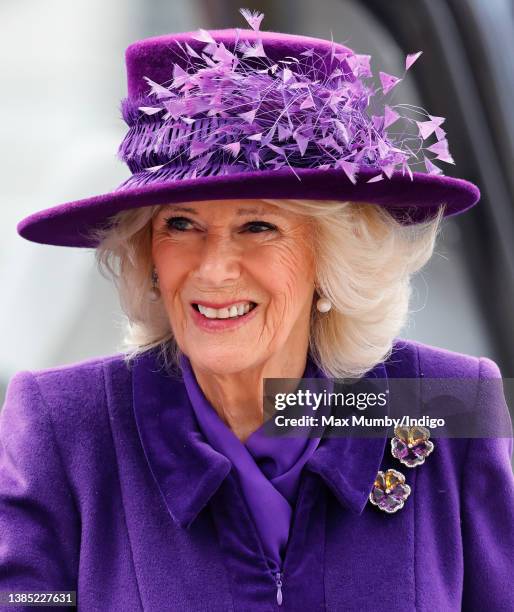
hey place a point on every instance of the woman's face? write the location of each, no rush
(218, 258)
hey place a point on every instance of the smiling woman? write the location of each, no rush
(224, 254)
(269, 230)
(275, 259)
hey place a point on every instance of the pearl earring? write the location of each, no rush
(323, 304)
(154, 294)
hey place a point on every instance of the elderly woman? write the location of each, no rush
(269, 230)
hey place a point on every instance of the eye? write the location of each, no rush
(177, 223)
(257, 227)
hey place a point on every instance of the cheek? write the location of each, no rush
(287, 272)
(172, 264)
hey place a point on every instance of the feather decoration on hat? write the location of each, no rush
(231, 110)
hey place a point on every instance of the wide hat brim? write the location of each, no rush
(409, 200)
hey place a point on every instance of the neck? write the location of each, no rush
(238, 397)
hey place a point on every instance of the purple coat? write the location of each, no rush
(142, 514)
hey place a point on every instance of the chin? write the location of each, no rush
(222, 361)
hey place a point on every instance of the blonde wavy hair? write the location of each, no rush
(365, 259)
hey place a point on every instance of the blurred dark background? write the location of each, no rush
(63, 77)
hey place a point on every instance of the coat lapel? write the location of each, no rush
(349, 465)
(187, 470)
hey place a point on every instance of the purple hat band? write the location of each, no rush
(248, 114)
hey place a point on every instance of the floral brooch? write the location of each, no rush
(389, 491)
(411, 446)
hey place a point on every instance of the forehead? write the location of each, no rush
(233, 207)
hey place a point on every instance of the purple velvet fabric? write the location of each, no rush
(69, 224)
(268, 468)
(108, 487)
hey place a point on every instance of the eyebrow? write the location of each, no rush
(240, 211)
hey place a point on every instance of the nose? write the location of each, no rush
(218, 261)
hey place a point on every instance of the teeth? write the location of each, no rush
(236, 310)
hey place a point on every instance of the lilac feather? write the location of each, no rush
(229, 110)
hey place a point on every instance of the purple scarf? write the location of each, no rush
(268, 468)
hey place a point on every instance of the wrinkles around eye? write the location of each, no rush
(253, 227)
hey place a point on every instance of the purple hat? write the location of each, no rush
(240, 113)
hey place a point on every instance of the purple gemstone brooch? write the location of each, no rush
(389, 491)
(411, 445)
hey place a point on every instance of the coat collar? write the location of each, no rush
(188, 471)
(349, 465)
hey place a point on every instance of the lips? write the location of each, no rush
(238, 309)
(217, 306)
(222, 323)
